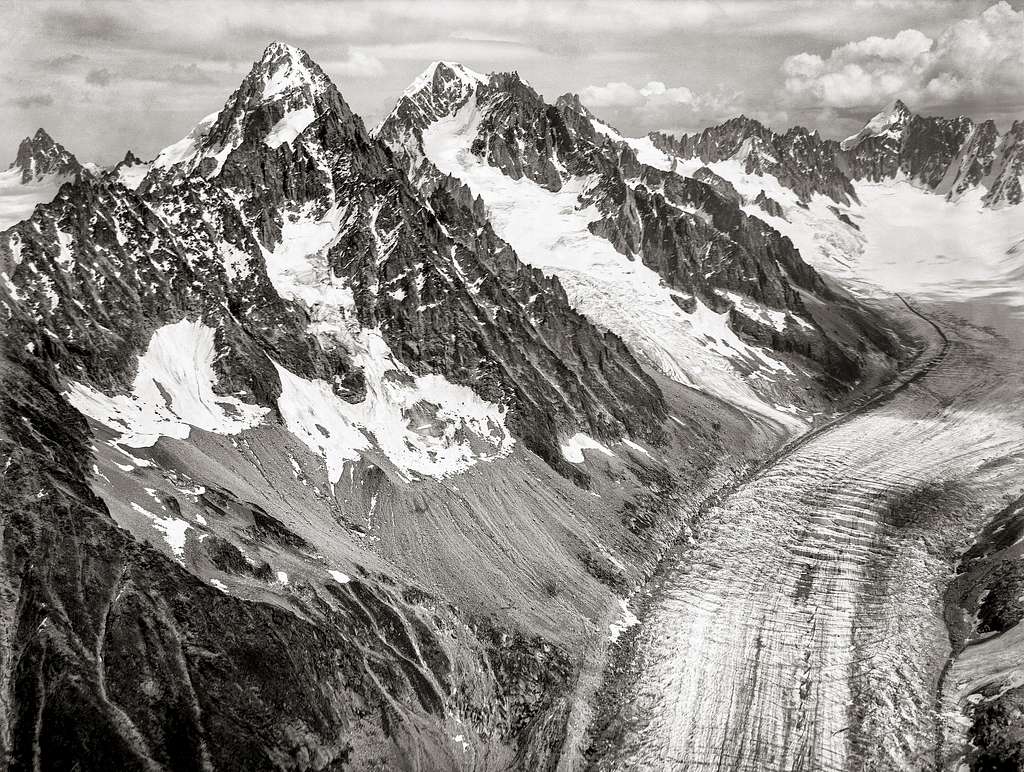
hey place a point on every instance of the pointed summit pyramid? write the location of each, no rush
(889, 124)
(440, 75)
(440, 90)
(40, 156)
(284, 92)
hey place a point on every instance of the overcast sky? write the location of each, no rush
(103, 76)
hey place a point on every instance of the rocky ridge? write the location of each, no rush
(947, 156)
(358, 486)
(40, 156)
(691, 231)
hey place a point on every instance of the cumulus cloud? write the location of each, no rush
(658, 106)
(658, 102)
(356, 64)
(99, 77)
(32, 100)
(653, 95)
(975, 58)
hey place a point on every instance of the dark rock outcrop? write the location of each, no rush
(40, 156)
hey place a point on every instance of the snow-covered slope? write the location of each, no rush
(695, 286)
(550, 230)
(172, 392)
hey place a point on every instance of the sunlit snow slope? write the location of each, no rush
(549, 230)
(906, 239)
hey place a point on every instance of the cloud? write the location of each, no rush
(62, 62)
(99, 77)
(32, 100)
(651, 96)
(655, 99)
(356, 64)
(186, 73)
(658, 105)
(978, 58)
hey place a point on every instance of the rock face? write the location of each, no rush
(948, 156)
(1007, 169)
(40, 156)
(286, 350)
(306, 466)
(287, 153)
(691, 231)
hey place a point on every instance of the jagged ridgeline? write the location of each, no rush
(303, 466)
(325, 447)
(706, 293)
(282, 225)
(948, 156)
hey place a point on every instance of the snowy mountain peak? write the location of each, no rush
(889, 124)
(277, 49)
(285, 69)
(284, 92)
(441, 75)
(440, 90)
(41, 156)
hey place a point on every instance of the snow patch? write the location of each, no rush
(132, 176)
(290, 126)
(771, 317)
(603, 128)
(633, 446)
(572, 449)
(171, 528)
(339, 577)
(186, 148)
(172, 392)
(624, 622)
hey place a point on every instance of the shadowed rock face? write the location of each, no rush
(126, 660)
(122, 652)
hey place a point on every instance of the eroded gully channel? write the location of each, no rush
(802, 629)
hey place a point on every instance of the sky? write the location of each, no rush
(105, 76)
